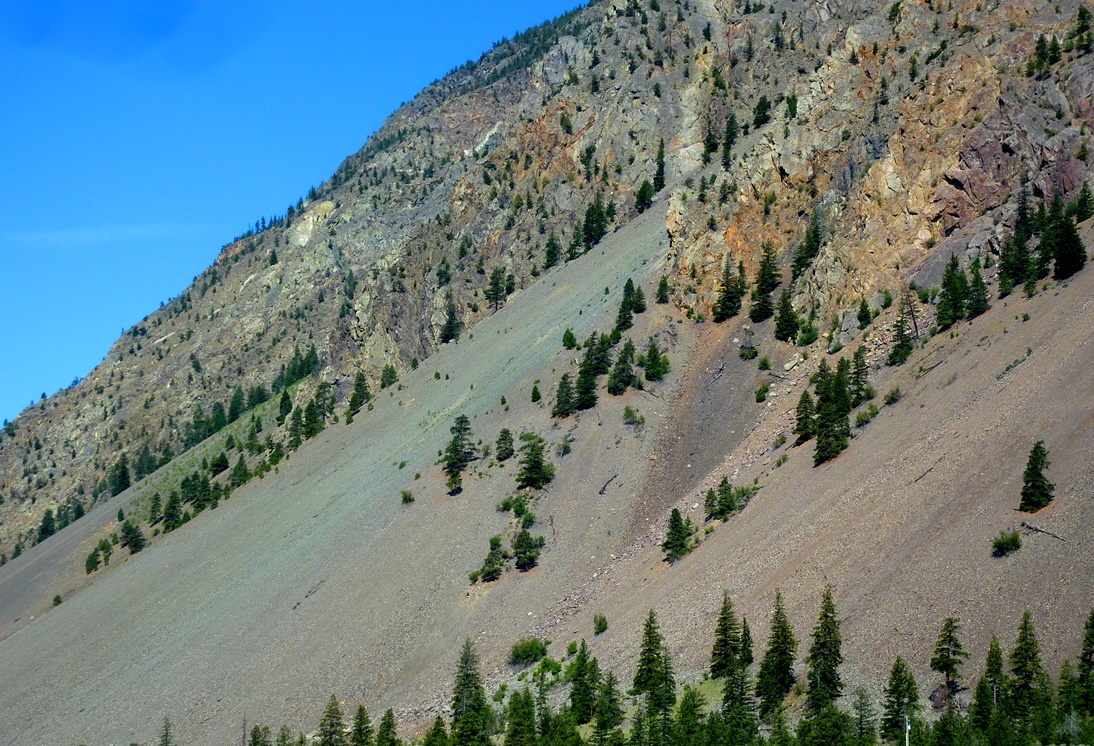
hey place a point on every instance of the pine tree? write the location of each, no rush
(361, 395)
(1085, 668)
(437, 735)
(644, 197)
(132, 537)
(954, 295)
(865, 719)
(902, 333)
(553, 251)
(284, 407)
(569, 341)
(805, 426)
(833, 407)
(978, 293)
(622, 374)
(948, 653)
(564, 398)
(585, 388)
(659, 174)
(650, 656)
(732, 131)
(165, 734)
(525, 551)
(503, 449)
(1084, 204)
(1036, 489)
(450, 332)
(48, 526)
(654, 363)
(1050, 223)
(521, 714)
(1014, 263)
(536, 395)
(675, 544)
(596, 222)
(688, 730)
(607, 710)
(1069, 253)
(361, 733)
(776, 675)
(825, 657)
(730, 294)
(240, 473)
(860, 378)
(901, 700)
(535, 471)
(746, 644)
(582, 685)
(663, 290)
(725, 656)
(810, 246)
(385, 733)
(786, 321)
(865, 315)
(296, 429)
(332, 730)
(638, 302)
(471, 714)
(767, 279)
(495, 292)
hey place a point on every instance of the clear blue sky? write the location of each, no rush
(137, 138)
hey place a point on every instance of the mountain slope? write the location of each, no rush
(317, 579)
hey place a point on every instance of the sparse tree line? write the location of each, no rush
(1014, 701)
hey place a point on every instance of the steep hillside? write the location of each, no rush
(904, 135)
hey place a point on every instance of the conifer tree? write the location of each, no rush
(240, 473)
(860, 378)
(332, 730)
(471, 714)
(361, 732)
(536, 395)
(954, 295)
(659, 174)
(865, 719)
(1049, 223)
(1069, 252)
(948, 653)
(903, 342)
(553, 251)
(663, 290)
(437, 735)
(535, 471)
(638, 301)
(728, 303)
(810, 246)
(503, 449)
(688, 730)
(607, 710)
(1036, 489)
(786, 321)
(978, 293)
(450, 332)
(361, 395)
(495, 292)
(1084, 204)
(622, 374)
(525, 551)
(569, 341)
(385, 733)
(825, 657)
(284, 407)
(583, 685)
(1085, 668)
(745, 655)
(767, 279)
(732, 130)
(901, 700)
(805, 426)
(643, 198)
(1014, 263)
(865, 315)
(650, 657)
(725, 656)
(654, 363)
(675, 544)
(564, 398)
(521, 714)
(776, 675)
(585, 388)
(833, 407)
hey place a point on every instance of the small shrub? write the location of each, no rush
(408, 496)
(764, 363)
(600, 624)
(893, 396)
(862, 419)
(749, 353)
(571, 649)
(781, 460)
(761, 392)
(1005, 543)
(527, 651)
(57, 600)
(780, 440)
(632, 417)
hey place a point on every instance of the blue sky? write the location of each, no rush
(137, 138)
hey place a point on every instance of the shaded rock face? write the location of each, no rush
(909, 133)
